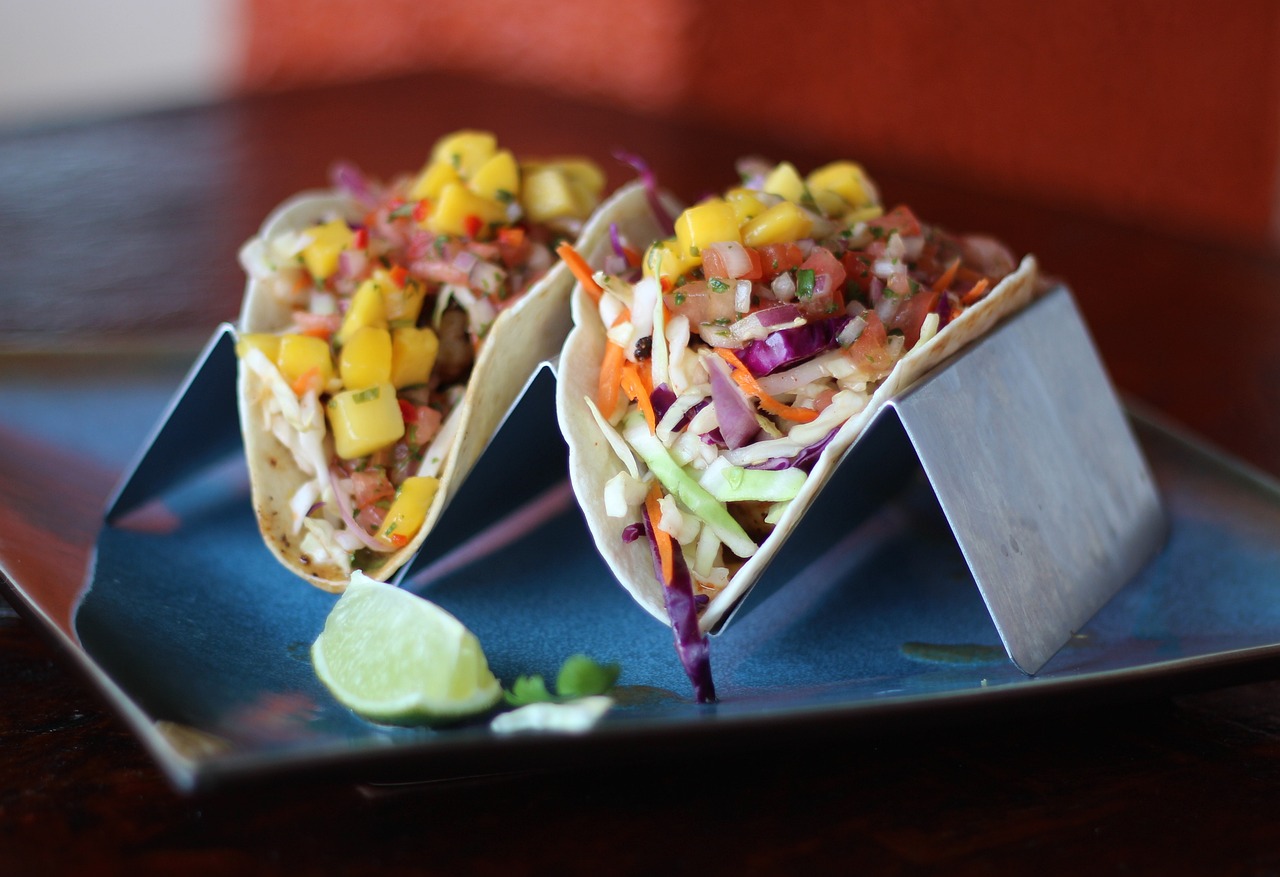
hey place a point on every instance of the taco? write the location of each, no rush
(385, 332)
(723, 362)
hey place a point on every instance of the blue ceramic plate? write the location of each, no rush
(201, 640)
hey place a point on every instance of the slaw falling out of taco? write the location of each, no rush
(722, 362)
(386, 330)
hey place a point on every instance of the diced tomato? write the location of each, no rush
(702, 302)
(827, 297)
(858, 274)
(513, 246)
(421, 422)
(371, 486)
(912, 312)
(360, 239)
(870, 351)
(899, 219)
(776, 258)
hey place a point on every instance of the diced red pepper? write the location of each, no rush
(473, 225)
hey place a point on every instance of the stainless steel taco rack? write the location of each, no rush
(1021, 439)
(1034, 464)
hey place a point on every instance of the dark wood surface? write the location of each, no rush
(119, 237)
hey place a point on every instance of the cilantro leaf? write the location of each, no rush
(582, 677)
(579, 676)
(528, 689)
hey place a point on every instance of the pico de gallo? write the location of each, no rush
(387, 314)
(739, 345)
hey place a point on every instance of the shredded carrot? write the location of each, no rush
(633, 385)
(610, 378)
(309, 379)
(948, 276)
(743, 378)
(976, 293)
(320, 332)
(581, 270)
(661, 537)
(611, 371)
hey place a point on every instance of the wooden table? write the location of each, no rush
(118, 237)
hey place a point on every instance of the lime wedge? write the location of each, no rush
(394, 657)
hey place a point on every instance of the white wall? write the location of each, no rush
(66, 59)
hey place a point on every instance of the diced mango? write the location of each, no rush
(667, 262)
(746, 203)
(366, 309)
(300, 355)
(413, 355)
(364, 421)
(782, 223)
(498, 178)
(403, 303)
(409, 509)
(434, 177)
(785, 180)
(840, 187)
(267, 342)
(365, 359)
(550, 193)
(465, 151)
(586, 179)
(706, 223)
(459, 211)
(320, 256)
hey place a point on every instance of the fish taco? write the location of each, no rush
(386, 330)
(725, 357)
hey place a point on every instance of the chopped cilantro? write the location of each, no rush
(365, 395)
(579, 676)
(805, 279)
(717, 285)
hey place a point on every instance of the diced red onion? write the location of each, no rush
(373, 543)
(851, 331)
(784, 286)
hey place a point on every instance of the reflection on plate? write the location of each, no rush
(202, 640)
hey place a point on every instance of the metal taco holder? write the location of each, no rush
(1021, 437)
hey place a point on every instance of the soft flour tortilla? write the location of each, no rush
(522, 336)
(592, 462)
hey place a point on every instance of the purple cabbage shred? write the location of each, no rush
(803, 460)
(682, 607)
(787, 347)
(661, 215)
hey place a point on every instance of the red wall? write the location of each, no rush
(1159, 112)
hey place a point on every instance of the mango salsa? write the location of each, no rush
(268, 343)
(320, 256)
(666, 261)
(465, 151)
(367, 309)
(498, 179)
(706, 223)
(413, 355)
(782, 223)
(365, 359)
(409, 509)
(459, 211)
(301, 355)
(784, 180)
(364, 421)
